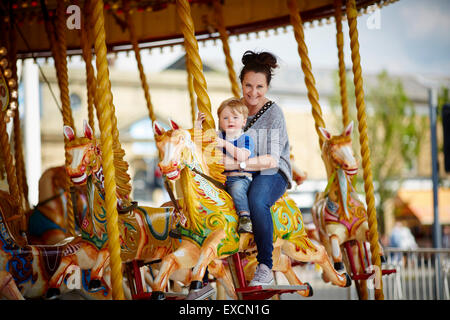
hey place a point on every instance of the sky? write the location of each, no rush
(405, 37)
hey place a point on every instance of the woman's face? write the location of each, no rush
(254, 88)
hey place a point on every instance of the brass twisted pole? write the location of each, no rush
(310, 82)
(18, 229)
(123, 179)
(191, 90)
(63, 82)
(352, 15)
(363, 293)
(342, 74)
(135, 44)
(191, 46)
(86, 46)
(218, 14)
(11, 175)
(105, 123)
(18, 150)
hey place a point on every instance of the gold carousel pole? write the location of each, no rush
(105, 124)
(310, 82)
(190, 82)
(363, 293)
(218, 13)
(18, 150)
(91, 82)
(11, 177)
(342, 75)
(193, 57)
(123, 179)
(352, 15)
(9, 166)
(57, 39)
(137, 54)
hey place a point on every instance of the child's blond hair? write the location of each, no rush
(236, 106)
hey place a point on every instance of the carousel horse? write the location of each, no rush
(210, 228)
(144, 231)
(337, 212)
(28, 271)
(47, 221)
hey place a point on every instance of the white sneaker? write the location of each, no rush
(263, 276)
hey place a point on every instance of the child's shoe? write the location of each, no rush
(245, 225)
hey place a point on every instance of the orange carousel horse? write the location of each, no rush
(30, 270)
(340, 217)
(144, 231)
(210, 229)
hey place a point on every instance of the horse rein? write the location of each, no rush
(218, 184)
(40, 204)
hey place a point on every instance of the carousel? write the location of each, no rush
(87, 228)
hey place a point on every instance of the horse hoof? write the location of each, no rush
(311, 292)
(200, 294)
(339, 266)
(95, 284)
(195, 285)
(158, 295)
(348, 283)
(52, 293)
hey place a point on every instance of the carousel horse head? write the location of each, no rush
(172, 145)
(179, 148)
(84, 154)
(337, 151)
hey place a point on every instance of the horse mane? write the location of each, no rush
(333, 141)
(341, 139)
(213, 155)
(122, 177)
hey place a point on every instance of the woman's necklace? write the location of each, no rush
(264, 108)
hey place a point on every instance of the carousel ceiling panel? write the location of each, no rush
(156, 21)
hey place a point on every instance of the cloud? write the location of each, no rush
(426, 18)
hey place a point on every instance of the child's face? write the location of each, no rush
(231, 122)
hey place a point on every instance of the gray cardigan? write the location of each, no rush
(270, 136)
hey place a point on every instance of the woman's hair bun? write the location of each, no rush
(263, 62)
(263, 58)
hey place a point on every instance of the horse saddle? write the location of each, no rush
(52, 255)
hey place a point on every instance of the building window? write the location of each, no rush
(75, 101)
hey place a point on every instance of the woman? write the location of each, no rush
(271, 168)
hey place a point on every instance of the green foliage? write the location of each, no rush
(394, 130)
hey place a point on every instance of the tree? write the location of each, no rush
(395, 135)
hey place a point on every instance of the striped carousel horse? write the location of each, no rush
(340, 217)
(210, 229)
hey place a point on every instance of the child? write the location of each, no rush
(237, 145)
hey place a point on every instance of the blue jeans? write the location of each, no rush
(237, 187)
(264, 191)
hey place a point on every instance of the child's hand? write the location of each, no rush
(200, 118)
(220, 142)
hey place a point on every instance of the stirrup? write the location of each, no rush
(175, 233)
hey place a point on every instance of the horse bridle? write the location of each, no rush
(217, 183)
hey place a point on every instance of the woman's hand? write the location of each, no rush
(253, 164)
(230, 163)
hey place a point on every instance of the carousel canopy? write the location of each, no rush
(156, 21)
